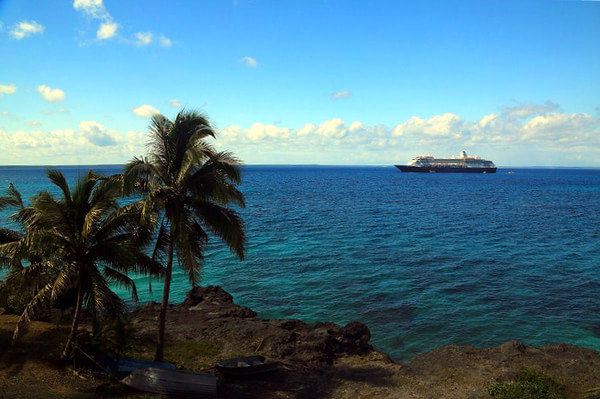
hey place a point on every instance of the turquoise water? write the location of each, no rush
(424, 260)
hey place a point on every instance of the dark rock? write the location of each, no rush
(355, 337)
(212, 293)
(318, 346)
(291, 324)
(239, 311)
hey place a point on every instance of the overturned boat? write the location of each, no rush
(172, 383)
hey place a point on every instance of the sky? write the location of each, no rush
(303, 82)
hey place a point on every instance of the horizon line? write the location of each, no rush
(299, 164)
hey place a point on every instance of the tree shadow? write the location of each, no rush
(36, 347)
(313, 383)
(377, 376)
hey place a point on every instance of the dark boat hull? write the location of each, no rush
(255, 365)
(434, 169)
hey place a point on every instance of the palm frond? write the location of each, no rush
(225, 223)
(190, 241)
(12, 198)
(58, 179)
(122, 280)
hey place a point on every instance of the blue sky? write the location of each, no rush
(331, 82)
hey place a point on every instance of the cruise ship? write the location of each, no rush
(462, 164)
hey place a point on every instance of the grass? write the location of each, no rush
(191, 355)
(32, 370)
(529, 384)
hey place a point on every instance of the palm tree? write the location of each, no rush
(84, 241)
(189, 185)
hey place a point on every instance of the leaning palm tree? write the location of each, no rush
(84, 241)
(189, 185)
(17, 285)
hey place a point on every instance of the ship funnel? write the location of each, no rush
(463, 154)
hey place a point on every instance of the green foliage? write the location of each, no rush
(529, 384)
(115, 336)
(189, 351)
(13, 299)
(74, 245)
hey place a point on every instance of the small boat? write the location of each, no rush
(172, 383)
(245, 366)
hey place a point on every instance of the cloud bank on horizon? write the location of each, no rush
(89, 74)
(534, 129)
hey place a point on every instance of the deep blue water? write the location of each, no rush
(423, 259)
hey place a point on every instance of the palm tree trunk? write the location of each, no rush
(160, 344)
(74, 325)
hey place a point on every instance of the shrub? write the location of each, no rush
(529, 384)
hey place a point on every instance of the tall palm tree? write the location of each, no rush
(190, 185)
(84, 241)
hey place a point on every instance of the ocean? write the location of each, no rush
(424, 260)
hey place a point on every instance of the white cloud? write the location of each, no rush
(107, 30)
(339, 95)
(92, 8)
(51, 95)
(559, 126)
(260, 131)
(145, 111)
(175, 103)
(91, 142)
(165, 41)
(95, 9)
(7, 89)
(526, 110)
(550, 137)
(249, 62)
(544, 137)
(26, 28)
(143, 38)
(332, 128)
(98, 134)
(307, 129)
(356, 125)
(447, 124)
(487, 120)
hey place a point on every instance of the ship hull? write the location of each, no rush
(436, 169)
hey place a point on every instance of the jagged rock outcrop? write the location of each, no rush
(210, 312)
(211, 293)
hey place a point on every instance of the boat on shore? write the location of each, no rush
(246, 366)
(463, 164)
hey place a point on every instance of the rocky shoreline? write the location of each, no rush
(328, 360)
